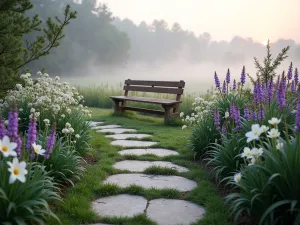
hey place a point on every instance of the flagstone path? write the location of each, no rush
(161, 211)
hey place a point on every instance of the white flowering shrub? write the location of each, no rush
(202, 110)
(45, 96)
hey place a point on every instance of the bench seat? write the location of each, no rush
(166, 102)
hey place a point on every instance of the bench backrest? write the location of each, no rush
(165, 87)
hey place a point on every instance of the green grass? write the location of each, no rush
(76, 207)
(98, 96)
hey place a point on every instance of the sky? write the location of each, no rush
(223, 19)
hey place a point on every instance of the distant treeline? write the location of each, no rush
(99, 38)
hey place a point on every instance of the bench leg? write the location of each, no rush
(117, 106)
(167, 114)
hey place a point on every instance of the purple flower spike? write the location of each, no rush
(12, 130)
(232, 111)
(270, 90)
(2, 129)
(224, 87)
(228, 76)
(297, 125)
(237, 119)
(217, 120)
(261, 114)
(31, 134)
(296, 76)
(246, 113)
(224, 129)
(290, 72)
(254, 115)
(293, 87)
(217, 81)
(281, 93)
(234, 85)
(50, 142)
(243, 76)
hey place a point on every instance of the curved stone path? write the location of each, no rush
(161, 211)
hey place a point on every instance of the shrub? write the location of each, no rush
(25, 203)
(225, 156)
(203, 135)
(64, 165)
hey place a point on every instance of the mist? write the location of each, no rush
(108, 50)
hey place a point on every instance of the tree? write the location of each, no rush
(16, 51)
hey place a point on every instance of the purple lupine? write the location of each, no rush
(296, 76)
(246, 113)
(270, 90)
(290, 72)
(50, 142)
(12, 129)
(232, 111)
(293, 87)
(31, 134)
(256, 93)
(217, 120)
(297, 125)
(281, 93)
(2, 128)
(261, 114)
(223, 130)
(262, 92)
(228, 76)
(254, 115)
(243, 76)
(224, 87)
(234, 85)
(217, 81)
(237, 119)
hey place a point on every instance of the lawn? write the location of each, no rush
(76, 206)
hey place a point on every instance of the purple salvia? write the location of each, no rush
(270, 90)
(256, 93)
(31, 134)
(2, 128)
(261, 114)
(254, 115)
(50, 142)
(261, 92)
(217, 120)
(234, 85)
(217, 81)
(281, 93)
(246, 113)
(237, 119)
(297, 125)
(232, 111)
(290, 72)
(243, 76)
(228, 76)
(296, 77)
(293, 87)
(224, 87)
(12, 129)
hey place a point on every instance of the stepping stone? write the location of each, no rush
(140, 166)
(120, 206)
(149, 181)
(116, 130)
(109, 126)
(126, 136)
(130, 143)
(174, 212)
(150, 151)
(94, 123)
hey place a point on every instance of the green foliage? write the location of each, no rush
(80, 126)
(270, 191)
(16, 50)
(64, 165)
(27, 203)
(203, 135)
(267, 71)
(225, 156)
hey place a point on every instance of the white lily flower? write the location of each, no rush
(279, 145)
(273, 133)
(264, 128)
(226, 115)
(246, 153)
(257, 152)
(8, 148)
(77, 136)
(274, 121)
(17, 171)
(253, 161)
(184, 127)
(38, 149)
(254, 133)
(237, 177)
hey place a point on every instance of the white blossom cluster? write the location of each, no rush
(202, 109)
(46, 94)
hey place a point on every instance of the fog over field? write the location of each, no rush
(109, 43)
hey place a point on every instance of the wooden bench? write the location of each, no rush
(170, 107)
